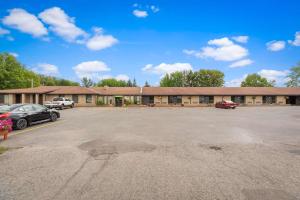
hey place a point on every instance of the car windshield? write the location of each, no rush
(58, 99)
(228, 101)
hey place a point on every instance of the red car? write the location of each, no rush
(226, 104)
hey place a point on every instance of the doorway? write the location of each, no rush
(118, 101)
(18, 98)
(40, 99)
(293, 100)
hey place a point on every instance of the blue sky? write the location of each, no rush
(146, 39)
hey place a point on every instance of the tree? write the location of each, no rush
(111, 82)
(134, 83)
(53, 81)
(294, 76)
(87, 82)
(147, 84)
(129, 83)
(255, 80)
(201, 78)
(14, 75)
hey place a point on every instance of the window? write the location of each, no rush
(206, 99)
(1, 98)
(269, 99)
(88, 98)
(238, 99)
(38, 107)
(75, 98)
(61, 95)
(28, 108)
(58, 99)
(175, 99)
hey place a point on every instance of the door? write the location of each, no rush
(118, 101)
(40, 112)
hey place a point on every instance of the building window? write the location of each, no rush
(269, 99)
(238, 99)
(147, 100)
(75, 98)
(88, 98)
(175, 99)
(61, 95)
(206, 99)
(2, 98)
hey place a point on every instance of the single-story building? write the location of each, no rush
(159, 96)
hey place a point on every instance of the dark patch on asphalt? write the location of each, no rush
(267, 194)
(100, 148)
(295, 151)
(216, 148)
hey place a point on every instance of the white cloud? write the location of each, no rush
(235, 82)
(154, 8)
(140, 13)
(241, 63)
(4, 31)
(221, 49)
(25, 22)
(278, 76)
(165, 68)
(275, 45)
(100, 41)
(61, 24)
(296, 42)
(91, 69)
(14, 54)
(46, 69)
(220, 42)
(241, 39)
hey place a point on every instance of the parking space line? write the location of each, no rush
(34, 128)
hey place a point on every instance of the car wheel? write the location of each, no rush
(53, 117)
(21, 124)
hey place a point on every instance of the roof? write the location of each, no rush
(118, 90)
(222, 91)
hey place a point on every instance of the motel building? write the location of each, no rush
(158, 96)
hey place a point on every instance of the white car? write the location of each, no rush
(60, 103)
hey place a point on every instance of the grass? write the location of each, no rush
(3, 149)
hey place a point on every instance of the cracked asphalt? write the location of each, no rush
(249, 153)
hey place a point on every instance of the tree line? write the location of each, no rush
(15, 75)
(111, 82)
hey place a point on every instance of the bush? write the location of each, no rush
(99, 102)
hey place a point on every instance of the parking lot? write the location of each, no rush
(156, 153)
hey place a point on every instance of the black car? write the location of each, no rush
(24, 115)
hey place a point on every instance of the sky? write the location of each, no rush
(146, 39)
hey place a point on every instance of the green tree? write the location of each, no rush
(201, 78)
(87, 82)
(255, 80)
(147, 84)
(53, 81)
(294, 76)
(111, 82)
(129, 83)
(134, 83)
(14, 75)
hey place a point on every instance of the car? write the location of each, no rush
(226, 104)
(24, 115)
(60, 103)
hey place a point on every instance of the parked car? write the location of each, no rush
(226, 104)
(24, 115)
(60, 103)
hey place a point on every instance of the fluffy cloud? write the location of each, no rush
(165, 68)
(241, 63)
(91, 69)
(46, 69)
(296, 42)
(241, 39)
(61, 24)
(222, 49)
(4, 31)
(140, 13)
(275, 45)
(14, 54)
(100, 41)
(25, 22)
(276, 75)
(154, 8)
